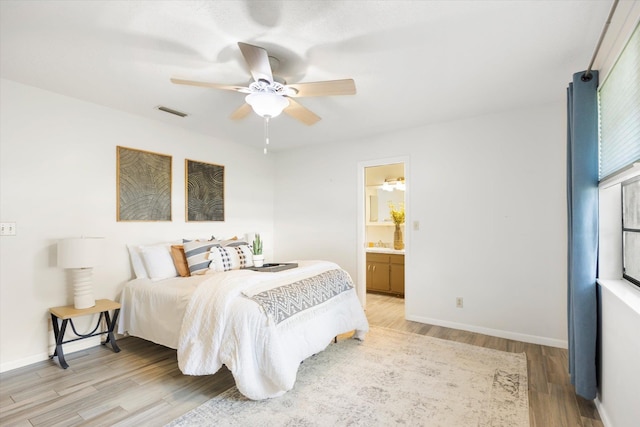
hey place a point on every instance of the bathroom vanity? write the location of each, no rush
(385, 271)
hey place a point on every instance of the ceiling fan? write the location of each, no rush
(269, 97)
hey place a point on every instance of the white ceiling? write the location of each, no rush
(414, 62)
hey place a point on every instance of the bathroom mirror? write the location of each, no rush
(378, 204)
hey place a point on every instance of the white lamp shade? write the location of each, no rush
(82, 252)
(267, 103)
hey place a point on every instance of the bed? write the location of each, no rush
(260, 325)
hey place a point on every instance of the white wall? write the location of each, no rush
(58, 179)
(490, 197)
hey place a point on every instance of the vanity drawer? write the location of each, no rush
(396, 259)
(372, 257)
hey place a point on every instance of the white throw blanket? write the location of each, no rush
(222, 326)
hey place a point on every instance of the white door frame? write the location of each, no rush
(361, 285)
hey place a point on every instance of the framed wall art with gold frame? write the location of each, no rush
(143, 185)
(204, 191)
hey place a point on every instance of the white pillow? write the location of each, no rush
(136, 262)
(230, 258)
(158, 262)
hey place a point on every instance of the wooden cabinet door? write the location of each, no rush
(396, 284)
(396, 278)
(377, 272)
(385, 273)
(369, 276)
(379, 276)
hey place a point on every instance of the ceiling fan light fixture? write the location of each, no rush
(267, 103)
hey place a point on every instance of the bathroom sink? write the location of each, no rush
(385, 250)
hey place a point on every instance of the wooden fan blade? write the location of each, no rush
(301, 113)
(210, 85)
(258, 61)
(327, 88)
(241, 112)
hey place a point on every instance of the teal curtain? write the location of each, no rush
(582, 203)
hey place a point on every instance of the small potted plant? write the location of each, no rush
(258, 258)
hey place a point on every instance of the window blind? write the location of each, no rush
(619, 98)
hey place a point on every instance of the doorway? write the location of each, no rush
(382, 245)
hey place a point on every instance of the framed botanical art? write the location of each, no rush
(204, 191)
(143, 185)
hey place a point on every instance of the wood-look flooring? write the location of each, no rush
(142, 384)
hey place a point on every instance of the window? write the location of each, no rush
(631, 230)
(619, 109)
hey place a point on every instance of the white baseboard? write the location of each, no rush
(68, 349)
(492, 332)
(603, 413)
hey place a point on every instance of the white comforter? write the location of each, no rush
(222, 326)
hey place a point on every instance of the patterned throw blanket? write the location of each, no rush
(284, 301)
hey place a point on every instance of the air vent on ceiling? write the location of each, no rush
(171, 111)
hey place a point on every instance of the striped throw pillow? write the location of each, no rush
(196, 253)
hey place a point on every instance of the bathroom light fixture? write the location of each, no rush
(391, 184)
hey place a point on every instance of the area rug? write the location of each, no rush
(390, 378)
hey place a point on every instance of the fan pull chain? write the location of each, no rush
(266, 133)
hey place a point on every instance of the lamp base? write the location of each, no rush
(82, 289)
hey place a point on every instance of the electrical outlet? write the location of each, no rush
(459, 302)
(7, 229)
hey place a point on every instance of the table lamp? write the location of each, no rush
(81, 255)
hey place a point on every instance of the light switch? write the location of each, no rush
(7, 228)
(416, 225)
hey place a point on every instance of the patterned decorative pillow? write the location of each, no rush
(202, 239)
(233, 242)
(196, 253)
(230, 258)
(180, 260)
